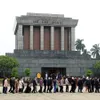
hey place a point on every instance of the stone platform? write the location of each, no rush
(73, 62)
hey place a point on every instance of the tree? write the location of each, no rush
(89, 72)
(95, 50)
(6, 64)
(85, 52)
(97, 65)
(79, 45)
(97, 68)
(27, 72)
(14, 72)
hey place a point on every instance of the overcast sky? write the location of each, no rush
(86, 11)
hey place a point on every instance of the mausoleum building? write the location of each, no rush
(46, 43)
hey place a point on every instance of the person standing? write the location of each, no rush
(54, 84)
(5, 85)
(57, 84)
(61, 84)
(28, 87)
(88, 84)
(73, 85)
(41, 84)
(67, 84)
(16, 85)
(48, 85)
(34, 86)
(96, 85)
(51, 85)
(45, 83)
(11, 87)
(92, 85)
(80, 85)
(21, 83)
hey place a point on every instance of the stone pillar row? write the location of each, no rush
(19, 38)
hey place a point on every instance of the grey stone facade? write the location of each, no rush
(74, 63)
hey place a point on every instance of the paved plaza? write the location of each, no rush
(50, 96)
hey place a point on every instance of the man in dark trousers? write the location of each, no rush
(12, 85)
(73, 85)
(3, 85)
(34, 86)
(96, 82)
(80, 85)
(28, 88)
(88, 84)
(92, 85)
(41, 84)
(48, 85)
(51, 84)
(45, 83)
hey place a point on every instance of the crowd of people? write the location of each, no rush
(51, 85)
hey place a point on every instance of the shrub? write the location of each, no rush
(89, 72)
(27, 72)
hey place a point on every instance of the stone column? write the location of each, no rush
(31, 37)
(42, 38)
(19, 37)
(62, 38)
(16, 42)
(73, 39)
(52, 38)
(69, 32)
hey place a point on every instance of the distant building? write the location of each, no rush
(46, 43)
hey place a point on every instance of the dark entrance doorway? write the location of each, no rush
(53, 70)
